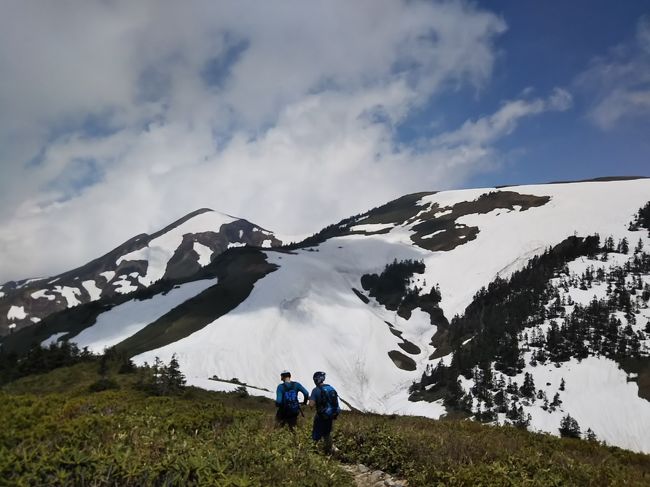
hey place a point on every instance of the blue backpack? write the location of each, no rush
(290, 404)
(327, 405)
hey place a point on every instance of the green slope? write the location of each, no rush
(56, 433)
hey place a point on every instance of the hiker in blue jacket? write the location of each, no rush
(325, 398)
(286, 400)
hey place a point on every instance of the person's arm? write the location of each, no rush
(305, 392)
(313, 398)
(278, 396)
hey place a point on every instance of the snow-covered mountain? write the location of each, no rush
(176, 252)
(331, 303)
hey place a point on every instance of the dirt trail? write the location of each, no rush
(366, 477)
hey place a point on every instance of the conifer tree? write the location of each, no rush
(569, 427)
(590, 435)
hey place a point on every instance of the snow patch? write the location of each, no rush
(70, 294)
(124, 286)
(43, 293)
(108, 275)
(204, 252)
(16, 313)
(93, 291)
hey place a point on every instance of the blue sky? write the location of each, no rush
(550, 44)
(119, 117)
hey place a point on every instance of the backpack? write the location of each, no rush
(290, 404)
(327, 406)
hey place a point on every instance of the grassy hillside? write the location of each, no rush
(55, 432)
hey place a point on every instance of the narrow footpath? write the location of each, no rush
(366, 477)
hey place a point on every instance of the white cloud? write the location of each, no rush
(295, 130)
(488, 129)
(619, 82)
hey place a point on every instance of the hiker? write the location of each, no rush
(286, 400)
(326, 401)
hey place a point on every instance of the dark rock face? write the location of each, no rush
(185, 263)
(402, 361)
(104, 278)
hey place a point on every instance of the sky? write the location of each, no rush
(118, 117)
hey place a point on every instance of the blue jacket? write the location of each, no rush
(279, 392)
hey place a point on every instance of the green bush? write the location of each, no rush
(103, 384)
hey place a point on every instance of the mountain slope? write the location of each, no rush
(174, 253)
(317, 305)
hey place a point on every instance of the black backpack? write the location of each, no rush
(290, 404)
(327, 405)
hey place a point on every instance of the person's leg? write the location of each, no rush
(292, 422)
(279, 418)
(327, 435)
(316, 432)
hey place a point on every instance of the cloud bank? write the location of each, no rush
(119, 117)
(619, 82)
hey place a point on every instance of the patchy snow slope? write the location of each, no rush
(508, 239)
(124, 320)
(158, 252)
(599, 396)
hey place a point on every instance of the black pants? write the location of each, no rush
(283, 419)
(323, 430)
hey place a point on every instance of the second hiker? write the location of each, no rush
(286, 400)
(326, 400)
